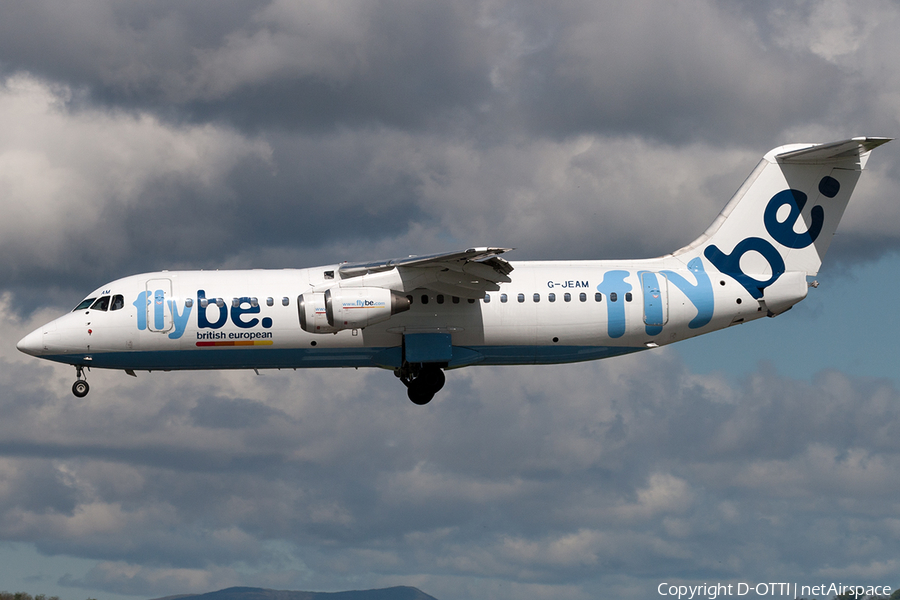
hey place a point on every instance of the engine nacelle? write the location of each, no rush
(312, 313)
(348, 308)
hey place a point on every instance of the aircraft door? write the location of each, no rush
(656, 301)
(159, 317)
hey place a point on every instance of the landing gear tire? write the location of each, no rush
(423, 388)
(419, 396)
(80, 388)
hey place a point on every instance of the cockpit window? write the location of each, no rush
(118, 302)
(102, 303)
(84, 304)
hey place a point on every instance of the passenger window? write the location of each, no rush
(102, 303)
(270, 301)
(628, 297)
(551, 297)
(613, 297)
(582, 296)
(84, 304)
(567, 297)
(487, 298)
(189, 302)
(118, 302)
(254, 302)
(521, 297)
(455, 299)
(285, 301)
(220, 302)
(537, 297)
(502, 297)
(424, 298)
(598, 297)
(471, 300)
(440, 298)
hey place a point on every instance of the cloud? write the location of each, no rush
(833, 29)
(674, 72)
(75, 183)
(251, 62)
(489, 67)
(122, 578)
(545, 478)
(534, 128)
(258, 133)
(98, 195)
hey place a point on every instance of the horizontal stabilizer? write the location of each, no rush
(833, 152)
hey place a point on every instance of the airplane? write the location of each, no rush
(421, 315)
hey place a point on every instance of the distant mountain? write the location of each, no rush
(248, 593)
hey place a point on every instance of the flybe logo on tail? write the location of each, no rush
(789, 204)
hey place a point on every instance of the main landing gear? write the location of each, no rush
(80, 388)
(422, 381)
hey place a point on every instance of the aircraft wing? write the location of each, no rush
(467, 273)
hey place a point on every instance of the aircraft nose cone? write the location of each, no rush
(32, 343)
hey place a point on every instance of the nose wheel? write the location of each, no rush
(80, 388)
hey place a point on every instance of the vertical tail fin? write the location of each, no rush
(783, 217)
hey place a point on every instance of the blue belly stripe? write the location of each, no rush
(298, 358)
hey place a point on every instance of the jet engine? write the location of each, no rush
(348, 308)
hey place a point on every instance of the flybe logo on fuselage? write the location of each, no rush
(615, 286)
(157, 313)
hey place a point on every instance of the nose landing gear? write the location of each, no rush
(422, 381)
(80, 388)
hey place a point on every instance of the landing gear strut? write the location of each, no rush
(80, 388)
(422, 381)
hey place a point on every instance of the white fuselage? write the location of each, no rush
(551, 312)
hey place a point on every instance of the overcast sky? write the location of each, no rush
(162, 134)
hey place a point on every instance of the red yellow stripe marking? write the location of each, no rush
(236, 343)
